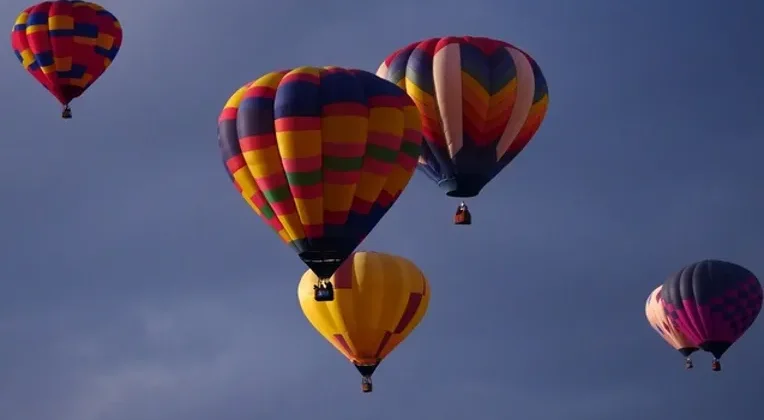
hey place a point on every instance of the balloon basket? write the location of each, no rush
(66, 113)
(366, 385)
(323, 291)
(463, 217)
(716, 366)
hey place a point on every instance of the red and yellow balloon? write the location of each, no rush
(66, 45)
(321, 154)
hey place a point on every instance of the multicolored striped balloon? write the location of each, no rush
(321, 154)
(66, 45)
(481, 101)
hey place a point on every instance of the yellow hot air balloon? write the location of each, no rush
(379, 300)
(661, 323)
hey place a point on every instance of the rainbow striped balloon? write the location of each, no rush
(481, 101)
(321, 154)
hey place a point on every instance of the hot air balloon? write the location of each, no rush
(380, 299)
(657, 318)
(712, 303)
(321, 154)
(481, 101)
(66, 46)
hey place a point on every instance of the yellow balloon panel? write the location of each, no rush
(378, 300)
(661, 323)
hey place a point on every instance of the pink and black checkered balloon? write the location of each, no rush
(713, 303)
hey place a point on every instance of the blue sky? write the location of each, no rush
(137, 285)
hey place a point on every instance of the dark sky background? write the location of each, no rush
(137, 284)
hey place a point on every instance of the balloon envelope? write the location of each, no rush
(712, 303)
(380, 299)
(481, 101)
(66, 45)
(321, 154)
(660, 322)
